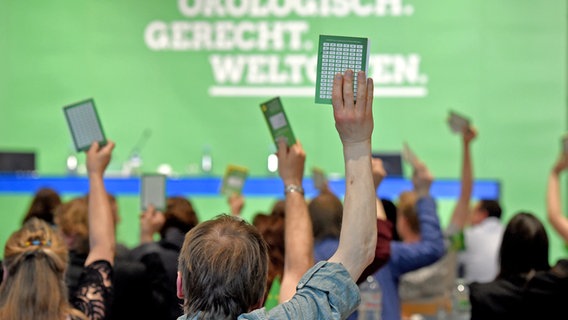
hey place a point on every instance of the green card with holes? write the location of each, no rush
(337, 54)
(277, 121)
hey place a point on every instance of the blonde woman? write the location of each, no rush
(36, 260)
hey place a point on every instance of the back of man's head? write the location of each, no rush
(492, 207)
(223, 265)
(326, 212)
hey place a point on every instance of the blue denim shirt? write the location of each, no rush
(326, 291)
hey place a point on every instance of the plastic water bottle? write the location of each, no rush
(371, 299)
(72, 164)
(461, 307)
(206, 160)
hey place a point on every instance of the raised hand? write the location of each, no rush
(379, 172)
(469, 133)
(291, 163)
(422, 179)
(353, 120)
(561, 164)
(99, 158)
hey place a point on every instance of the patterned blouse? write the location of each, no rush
(94, 291)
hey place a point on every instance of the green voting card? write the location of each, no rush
(277, 121)
(84, 124)
(234, 180)
(337, 54)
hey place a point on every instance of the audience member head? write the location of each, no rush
(72, 219)
(113, 207)
(390, 212)
(407, 223)
(35, 263)
(271, 229)
(278, 208)
(524, 246)
(484, 209)
(223, 267)
(326, 212)
(43, 205)
(179, 214)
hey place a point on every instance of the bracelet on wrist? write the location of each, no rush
(293, 188)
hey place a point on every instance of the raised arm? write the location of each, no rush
(430, 247)
(379, 173)
(354, 123)
(553, 199)
(298, 236)
(101, 221)
(384, 227)
(460, 216)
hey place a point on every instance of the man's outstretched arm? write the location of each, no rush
(298, 235)
(354, 123)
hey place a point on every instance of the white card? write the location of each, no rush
(457, 122)
(153, 191)
(319, 179)
(408, 155)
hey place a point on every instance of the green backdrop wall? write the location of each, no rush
(193, 72)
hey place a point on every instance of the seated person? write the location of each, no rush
(223, 264)
(326, 214)
(172, 225)
(133, 281)
(481, 225)
(524, 252)
(422, 241)
(36, 261)
(271, 227)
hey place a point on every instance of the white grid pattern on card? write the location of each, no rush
(338, 57)
(154, 191)
(84, 125)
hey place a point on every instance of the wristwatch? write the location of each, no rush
(293, 188)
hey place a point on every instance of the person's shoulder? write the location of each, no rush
(490, 226)
(561, 268)
(500, 298)
(259, 314)
(492, 222)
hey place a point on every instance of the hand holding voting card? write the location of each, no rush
(409, 156)
(337, 54)
(319, 179)
(277, 121)
(565, 143)
(84, 124)
(234, 180)
(153, 191)
(392, 163)
(458, 123)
